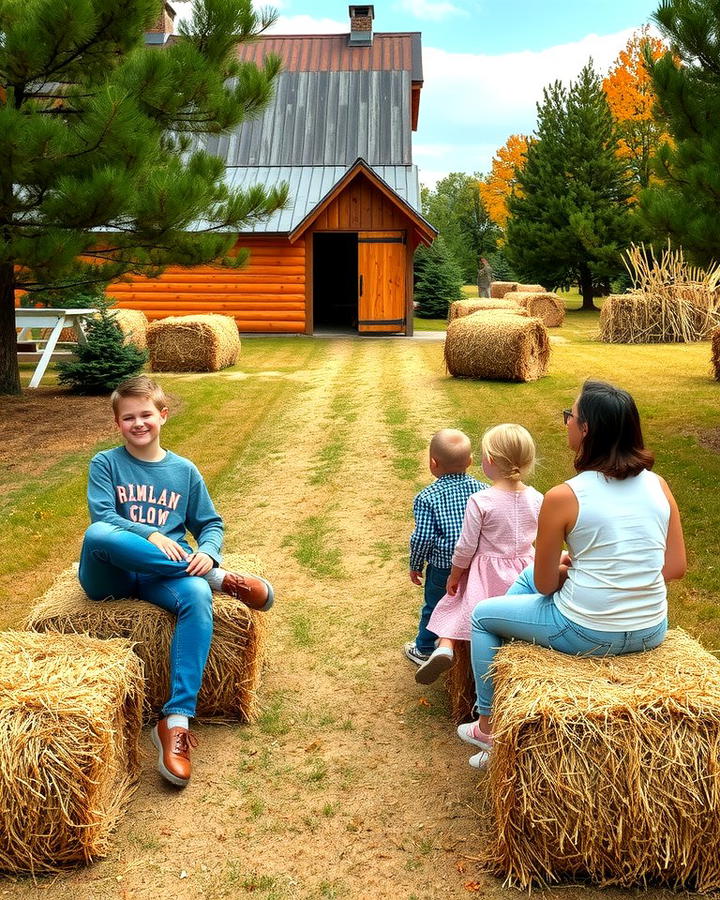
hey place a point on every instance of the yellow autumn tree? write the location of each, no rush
(496, 187)
(631, 97)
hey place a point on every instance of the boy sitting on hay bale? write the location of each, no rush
(143, 500)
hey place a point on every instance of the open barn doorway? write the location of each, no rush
(335, 281)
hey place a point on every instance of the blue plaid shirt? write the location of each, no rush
(439, 510)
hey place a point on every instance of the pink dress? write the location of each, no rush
(496, 544)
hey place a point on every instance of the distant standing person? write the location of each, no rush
(484, 278)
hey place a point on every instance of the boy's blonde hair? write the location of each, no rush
(139, 386)
(452, 449)
(511, 449)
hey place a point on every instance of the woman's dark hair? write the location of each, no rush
(613, 443)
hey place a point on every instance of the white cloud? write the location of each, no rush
(432, 10)
(303, 24)
(471, 103)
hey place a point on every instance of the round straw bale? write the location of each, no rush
(606, 769)
(460, 684)
(716, 353)
(465, 307)
(234, 666)
(544, 305)
(647, 318)
(498, 346)
(205, 343)
(498, 289)
(70, 717)
(530, 289)
(134, 325)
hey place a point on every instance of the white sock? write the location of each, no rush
(174, 721)
(444, 651)
(215, 578)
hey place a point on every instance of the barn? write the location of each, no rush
(338, 132)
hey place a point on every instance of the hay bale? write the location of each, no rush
(233, 670)
(542, 305)
(134, 325)
(498, 289)
(607, 769)
(644, 318)
(530, 289)
(460, 684)
(499, 346)
(716, 353)
(70, 716)
(461, 308)
(193, 343)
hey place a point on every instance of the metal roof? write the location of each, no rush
(325, 119)
(332, 52)
(310, 184)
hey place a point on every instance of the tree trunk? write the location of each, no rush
(586, 289)
(9, 372)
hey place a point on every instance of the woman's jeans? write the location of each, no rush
(524, 614)
(115, 563)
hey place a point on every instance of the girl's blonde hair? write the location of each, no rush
(512, 449)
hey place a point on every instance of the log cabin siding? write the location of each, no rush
(266, 295)
(360, 207)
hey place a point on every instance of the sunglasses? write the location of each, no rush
(568, 414)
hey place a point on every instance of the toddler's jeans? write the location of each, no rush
(435, 581)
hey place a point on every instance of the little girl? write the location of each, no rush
(495, 544)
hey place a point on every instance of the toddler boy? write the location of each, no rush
(143, 500)
(439, 510)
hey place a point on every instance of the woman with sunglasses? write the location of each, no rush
(621, 524)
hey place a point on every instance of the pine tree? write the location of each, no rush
(98, 175)
(686, 80)
(570, 218)
(439, 282)
(105, 360)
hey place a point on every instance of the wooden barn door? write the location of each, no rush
(381, 281)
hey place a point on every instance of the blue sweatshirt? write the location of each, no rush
(142, 497)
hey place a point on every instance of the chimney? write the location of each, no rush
(361, 19)
(163, 27)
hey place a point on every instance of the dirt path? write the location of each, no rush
(352, 784)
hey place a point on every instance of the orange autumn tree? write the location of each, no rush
(496, 187)
(631, 97)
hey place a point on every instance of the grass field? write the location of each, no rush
(352, 783)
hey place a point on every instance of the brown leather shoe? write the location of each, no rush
(255, 592)
(173, 746)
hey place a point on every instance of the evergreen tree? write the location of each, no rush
(439, 282)
(457, 210)
(98, 175)
(105, 360)
(686, 80)
(570, 218)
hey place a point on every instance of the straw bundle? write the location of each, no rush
(498, 346)
(543, 305)
(461, 308)
(193, 343)
(70, 715)
(644, 318)
(607, 768)
(498, 289)
(460, 684)
(530, 289)
(134, 325)
(716, 353)
(233, 670)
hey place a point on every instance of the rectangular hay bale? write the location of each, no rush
(498, 289)
(607, 769)
(234, 666)
(205, 343)
(70, 717)
(459, 308)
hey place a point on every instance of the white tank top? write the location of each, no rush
(617, 548)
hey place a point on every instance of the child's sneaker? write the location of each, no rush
(471, 734)
(440, 661)
(414, 655)
(480, 760)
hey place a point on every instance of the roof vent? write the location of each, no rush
(163, 27)
(361, 19)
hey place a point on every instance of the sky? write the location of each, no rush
(484, 63)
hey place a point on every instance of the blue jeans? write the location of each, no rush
(435, 581)
(115, 563)
(523, 613)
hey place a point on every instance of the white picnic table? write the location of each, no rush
(27, 318)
